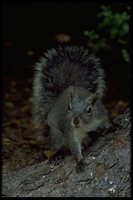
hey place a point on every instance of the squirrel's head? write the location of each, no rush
(82, 108)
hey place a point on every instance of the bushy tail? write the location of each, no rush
(60, 68)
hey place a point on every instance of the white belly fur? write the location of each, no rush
(82, 132)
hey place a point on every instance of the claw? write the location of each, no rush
(80, 167)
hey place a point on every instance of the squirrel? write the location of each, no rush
(68, 88)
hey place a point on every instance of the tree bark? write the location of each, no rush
(107, 173)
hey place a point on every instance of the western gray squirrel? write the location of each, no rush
(68, 88)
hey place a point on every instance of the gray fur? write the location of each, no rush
(60, 68)
(69, 76)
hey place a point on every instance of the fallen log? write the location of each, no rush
(107, 173)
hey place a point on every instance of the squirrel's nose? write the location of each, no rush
(76, 120)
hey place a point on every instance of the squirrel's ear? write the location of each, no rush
(73, 95)
(71, 90)
(95, 97)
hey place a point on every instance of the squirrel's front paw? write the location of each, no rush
(80, 167)
(55, 157)
(59, 155)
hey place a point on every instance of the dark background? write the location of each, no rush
(33, 23)
(33, 27)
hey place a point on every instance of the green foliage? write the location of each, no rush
(115, 26)
(91, 35)
(126, 56)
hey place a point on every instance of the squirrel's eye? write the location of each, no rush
(89, 110)
(69, 107)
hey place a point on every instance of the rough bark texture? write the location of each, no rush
(107, 173)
